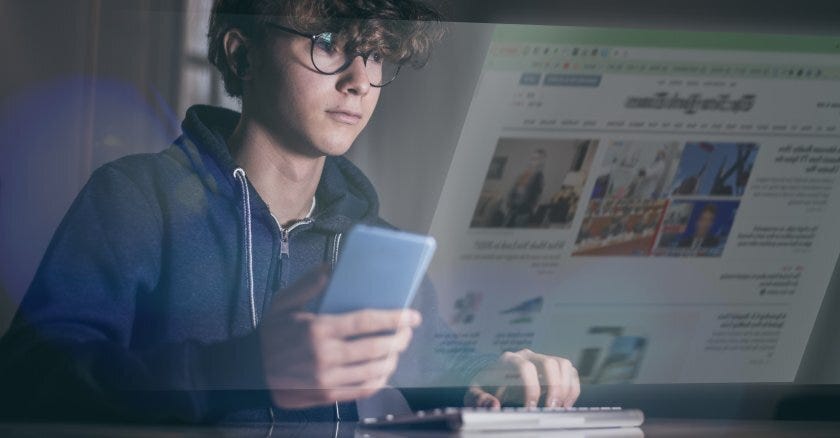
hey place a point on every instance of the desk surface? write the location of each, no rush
(652, 428)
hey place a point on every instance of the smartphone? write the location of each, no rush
(378, 268)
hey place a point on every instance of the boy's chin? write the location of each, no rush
(333, 149)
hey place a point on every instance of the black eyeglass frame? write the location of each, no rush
(348, 61)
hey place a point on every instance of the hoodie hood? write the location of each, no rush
(344, 195)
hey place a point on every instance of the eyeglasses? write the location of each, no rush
(329, 60)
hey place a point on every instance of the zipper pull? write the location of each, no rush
(284, 242)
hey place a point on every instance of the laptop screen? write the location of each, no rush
(656, 206)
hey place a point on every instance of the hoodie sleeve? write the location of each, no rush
(67, 353)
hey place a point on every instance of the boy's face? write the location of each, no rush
(309, 112)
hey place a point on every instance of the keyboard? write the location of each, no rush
(489, 419)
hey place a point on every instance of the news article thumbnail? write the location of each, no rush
(665, 199)
(628, 198)
(710, 179)
(533, 183)
(696, 228)
(610, 355)
(636, 170)
(714, 169)
(619, 227)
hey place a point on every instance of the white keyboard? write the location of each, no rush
(478, 419)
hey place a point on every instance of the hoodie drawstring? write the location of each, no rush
(239, 174)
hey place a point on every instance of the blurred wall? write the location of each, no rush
(83, 82)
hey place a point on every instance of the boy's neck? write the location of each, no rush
(285, 179)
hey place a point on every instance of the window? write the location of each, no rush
(200, 82)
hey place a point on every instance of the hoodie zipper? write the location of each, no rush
(285, 232)
(284, 260)
(284, 242)
(284, 250)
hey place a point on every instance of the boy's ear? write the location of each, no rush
(237, 53)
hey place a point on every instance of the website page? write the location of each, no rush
(658, 207)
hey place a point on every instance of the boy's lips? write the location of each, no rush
(345, 116)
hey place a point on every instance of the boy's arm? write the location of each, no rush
(66, 354)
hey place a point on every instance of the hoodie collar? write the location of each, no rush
(347, 196)
(344, 194)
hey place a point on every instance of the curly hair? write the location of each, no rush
(404, 31)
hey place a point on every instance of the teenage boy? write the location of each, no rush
(180, 285)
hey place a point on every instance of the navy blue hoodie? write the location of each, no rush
(146, 303)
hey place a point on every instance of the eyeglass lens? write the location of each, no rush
(329, 59)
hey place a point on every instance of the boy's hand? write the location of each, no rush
(312, 360)
(525, 378)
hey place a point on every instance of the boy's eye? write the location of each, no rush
(376, 57)
(324, 42)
